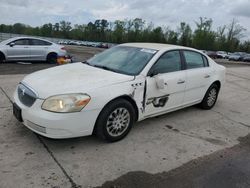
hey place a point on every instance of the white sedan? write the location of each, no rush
(30, 49)
(108, 93)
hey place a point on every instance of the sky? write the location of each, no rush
(160, 12)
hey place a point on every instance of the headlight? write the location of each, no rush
(66, 103)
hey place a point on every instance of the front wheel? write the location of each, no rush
(115, 120)
(210, 98)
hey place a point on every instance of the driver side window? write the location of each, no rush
(169, 62)
(21, 42)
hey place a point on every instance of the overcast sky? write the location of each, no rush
(160, 12)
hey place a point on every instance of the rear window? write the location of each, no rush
(195, 60)
(37, 42)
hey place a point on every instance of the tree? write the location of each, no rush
(18, 28)
(171, 36)
(204, 37)
(47, 30)
(221, 37)
(234, 34)
(226, 37)
(118, 33)
(65, 28)
(185, 34)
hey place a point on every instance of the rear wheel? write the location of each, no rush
(115, 120)
(52, 58)
(210, 98)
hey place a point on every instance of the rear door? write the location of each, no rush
(198, 74)
(18, 50)
(165, 84)
(39, 49)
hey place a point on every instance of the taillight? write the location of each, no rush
(63, 48)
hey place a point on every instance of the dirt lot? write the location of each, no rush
(187, 148)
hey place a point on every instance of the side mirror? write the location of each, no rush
(12, 44)
(152, 73)
(160, 83)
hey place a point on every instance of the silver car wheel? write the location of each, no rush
(118, 122)
(212, 97)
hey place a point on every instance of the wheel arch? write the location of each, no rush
(3, 55)
(50, 53)
(218, 83)
(127, 98)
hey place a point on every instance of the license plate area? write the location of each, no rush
(17, 112)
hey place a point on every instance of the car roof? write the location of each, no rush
(155, 46)
(16, 38)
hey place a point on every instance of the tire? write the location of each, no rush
(210, 97)
(115, 120)
(2, 57)
(52, 58)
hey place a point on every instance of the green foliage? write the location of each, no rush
(226, 37)
(204, 37)
(185, 33)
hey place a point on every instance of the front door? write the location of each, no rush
(18, 50)
(165, 84)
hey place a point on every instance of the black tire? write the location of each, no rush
(52, 58)
(2, 57)
(210, 97)
(109, 112)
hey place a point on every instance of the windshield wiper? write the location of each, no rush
(106, 68)
(86, 62)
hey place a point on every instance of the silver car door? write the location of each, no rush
(39, 49)
(18, 50)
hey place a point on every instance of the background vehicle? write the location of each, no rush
(222, 54)
(237, 56)
(246, 58)
(30, 49)
(212, 54)
(111, 91)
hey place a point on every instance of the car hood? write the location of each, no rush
(72, 78)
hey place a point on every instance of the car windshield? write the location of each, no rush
(123, 59)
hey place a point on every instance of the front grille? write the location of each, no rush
(26, 95)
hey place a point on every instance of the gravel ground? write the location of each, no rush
(228, 168)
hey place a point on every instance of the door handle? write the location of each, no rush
(25, 47)
(207, 76)
(181, 82)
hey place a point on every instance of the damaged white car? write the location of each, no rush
(108, 93)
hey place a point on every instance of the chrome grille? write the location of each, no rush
(26, 95)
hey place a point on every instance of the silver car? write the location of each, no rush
(30, 49)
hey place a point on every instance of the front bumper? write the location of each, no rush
(57, 125)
